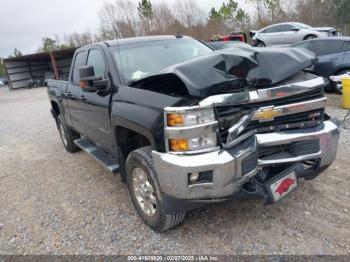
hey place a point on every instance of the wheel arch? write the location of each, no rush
(308, 35)
(129, 137)
(56, 111)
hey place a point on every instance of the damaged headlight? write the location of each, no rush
(190, 129)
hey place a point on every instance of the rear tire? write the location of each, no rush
(68, 136)
(309, 37)
(145, 191)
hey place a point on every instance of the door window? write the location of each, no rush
(272, 29)
(326, 47)
(80, 60)
(96, 60)
(285, 28)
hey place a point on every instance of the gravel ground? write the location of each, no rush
(52, 202)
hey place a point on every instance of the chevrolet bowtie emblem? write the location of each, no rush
(267, 114)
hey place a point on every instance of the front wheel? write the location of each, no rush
(145, 191)
(259, 44)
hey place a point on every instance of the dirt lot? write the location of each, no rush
(52, 202)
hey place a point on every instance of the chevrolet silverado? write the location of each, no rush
(187, 126)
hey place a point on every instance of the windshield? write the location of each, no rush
(140, 60)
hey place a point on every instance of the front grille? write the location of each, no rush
(295, 121)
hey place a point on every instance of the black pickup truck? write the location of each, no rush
(186, 126)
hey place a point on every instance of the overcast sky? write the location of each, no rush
(23, 23)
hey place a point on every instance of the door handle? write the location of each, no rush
(69, 94)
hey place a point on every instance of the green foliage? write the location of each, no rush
(48, 45)
(229, 13)
(343, 14)
(214, 15)
(145, 9)
(145, 13)
(16, 53)
(2, 67)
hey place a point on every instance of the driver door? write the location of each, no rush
(96, 105)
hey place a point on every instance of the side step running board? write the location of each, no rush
(104, 159)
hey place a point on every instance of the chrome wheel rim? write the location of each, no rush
(144, 192)
(63, 135)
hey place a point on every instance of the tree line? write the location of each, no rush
(125, 18)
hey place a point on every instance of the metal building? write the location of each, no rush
(55, 64)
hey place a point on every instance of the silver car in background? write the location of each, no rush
(289, 33)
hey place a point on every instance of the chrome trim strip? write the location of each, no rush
(196, 152)
(295, 108)
(239, 139)
(262, 94)
(190, 131)
(238, 128)
(262, 162)
(290, 136)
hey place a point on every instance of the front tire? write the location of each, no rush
(259, 44)
(68, 136)
(145, 191)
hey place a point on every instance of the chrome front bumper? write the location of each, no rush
(226, 165)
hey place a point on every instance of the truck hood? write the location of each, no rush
(234, 69)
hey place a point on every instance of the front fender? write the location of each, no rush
(143, 112)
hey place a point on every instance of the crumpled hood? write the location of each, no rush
(234, 69)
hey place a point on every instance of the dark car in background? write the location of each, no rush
(226, 44)
(333, 56)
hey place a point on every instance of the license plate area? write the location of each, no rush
(282, 185)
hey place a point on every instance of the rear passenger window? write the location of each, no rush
(273, 29)
(326, 47)
(79, 62)
(96, 60)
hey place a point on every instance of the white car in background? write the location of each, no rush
(289, 33)
(1, 83)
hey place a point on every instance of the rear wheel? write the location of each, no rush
(145, 191)
(309, 37)
(68, 136)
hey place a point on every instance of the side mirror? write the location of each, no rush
(295, 29)
(89, 82)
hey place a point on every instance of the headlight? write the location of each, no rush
(190, 117)
(189, 129)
